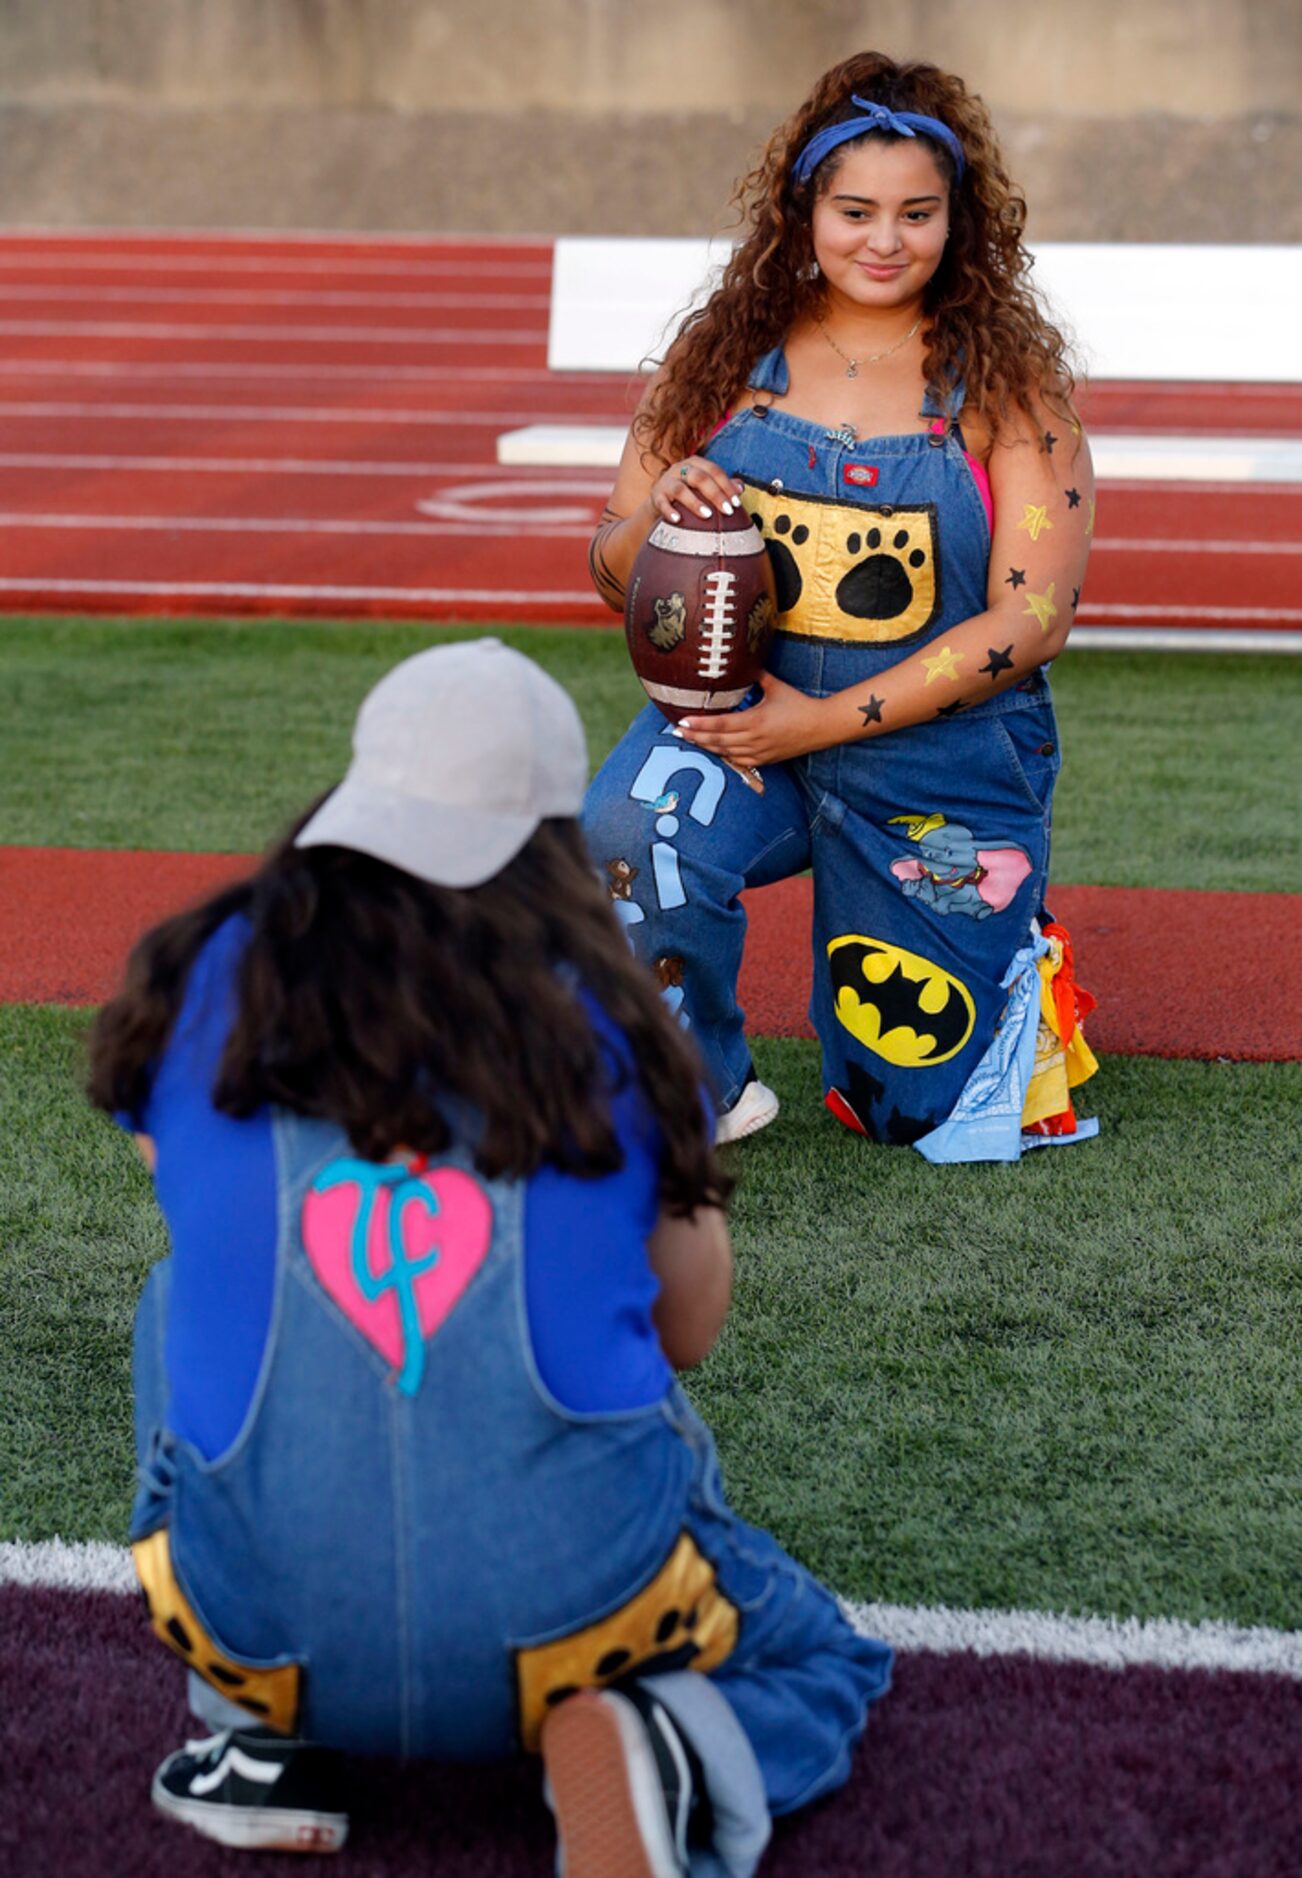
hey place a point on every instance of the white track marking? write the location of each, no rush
(37, 262)
(254, 371)
(1108, 1642)
(1179, 639)
(270, 332)
(277, 590)
(238, 465)
(1176, 611)
(260, 414)
(221, 240)
(267, 296)
(560, 523)
(466, 505)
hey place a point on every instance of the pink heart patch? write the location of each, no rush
(395, 1250)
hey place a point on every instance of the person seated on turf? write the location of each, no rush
(416, 1476)
(876, 383)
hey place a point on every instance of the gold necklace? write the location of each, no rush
(871, 358)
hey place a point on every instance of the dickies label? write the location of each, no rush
(861, 475)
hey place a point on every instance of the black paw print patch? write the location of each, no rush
(846, 571)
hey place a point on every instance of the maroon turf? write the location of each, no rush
(1176, 974)
(988, 1767)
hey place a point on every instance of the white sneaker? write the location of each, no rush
(754, 1109)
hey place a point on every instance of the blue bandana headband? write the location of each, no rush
(875, 117)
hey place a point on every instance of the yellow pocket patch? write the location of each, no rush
(681, 1620)
(271, 1694)
(900, 1006)
(846, 571)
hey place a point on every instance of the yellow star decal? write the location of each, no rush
(1089, 526)
(944, 665)
(1035, 520)
(1042, 606)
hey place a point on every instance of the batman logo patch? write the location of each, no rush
(900, 1006)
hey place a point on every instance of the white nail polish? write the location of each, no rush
(727, 508)
(705, 511)
(674, 516)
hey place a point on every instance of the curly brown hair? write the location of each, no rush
(986, 324)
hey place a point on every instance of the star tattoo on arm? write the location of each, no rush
(1073, 498)
(872, 711)
(952, 710)
(1016, 577)
(999, 661)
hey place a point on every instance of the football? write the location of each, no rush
(700, 612)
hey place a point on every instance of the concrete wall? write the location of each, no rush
(1143, 119)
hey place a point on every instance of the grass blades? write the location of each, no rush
(1070, 1385)
(210, 734)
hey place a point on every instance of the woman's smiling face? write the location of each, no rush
(879, 225)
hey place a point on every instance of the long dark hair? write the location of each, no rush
(986, 323)
(365, 995)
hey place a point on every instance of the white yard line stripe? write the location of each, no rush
(1107, 1642)
(1180, 639)
(270, 331)
(275, 590)
(267, 296)
(262, 413)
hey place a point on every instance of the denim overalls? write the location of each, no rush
(411, 1548)
(929, 845)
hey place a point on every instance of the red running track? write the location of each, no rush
(235, 424)
(68, 917)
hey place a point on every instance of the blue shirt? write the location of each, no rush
(589, 1287)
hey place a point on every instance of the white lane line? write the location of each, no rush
(232, 465)
(1107, 1642)
(1175, 610)
(1179, 639)
(254, 370)
(454, 505)
(260, 413)
(267, 296)
(271, 331)
(221, 240)
(567, 523)
(37, 262)
(277, 590)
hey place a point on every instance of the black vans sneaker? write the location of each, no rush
(619, 1780)
(253, 1788)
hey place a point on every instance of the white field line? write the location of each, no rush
(221, 240)
(294, 525)
(276, 590)
(270, 332)
(529, 597)
(265, 414)
(255, 371)
(1108, 1642)
(278, 264)
(1179, 639)
(266, 296)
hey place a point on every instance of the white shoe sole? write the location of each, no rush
(754, 1109)
(255, 1829)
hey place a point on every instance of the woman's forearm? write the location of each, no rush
(613, 550)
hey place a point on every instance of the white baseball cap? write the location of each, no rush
(458, 754)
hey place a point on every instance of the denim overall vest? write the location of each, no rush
(929, 845)
(411, 1548)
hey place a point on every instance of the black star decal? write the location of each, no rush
(1016, 578)
(1073, 498)
(872, 711)
(999, 661)
(952, 710)
(1075, 598)
(1049, 441)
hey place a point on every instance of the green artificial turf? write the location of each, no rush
(1179, 769)
(1069, 1385)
